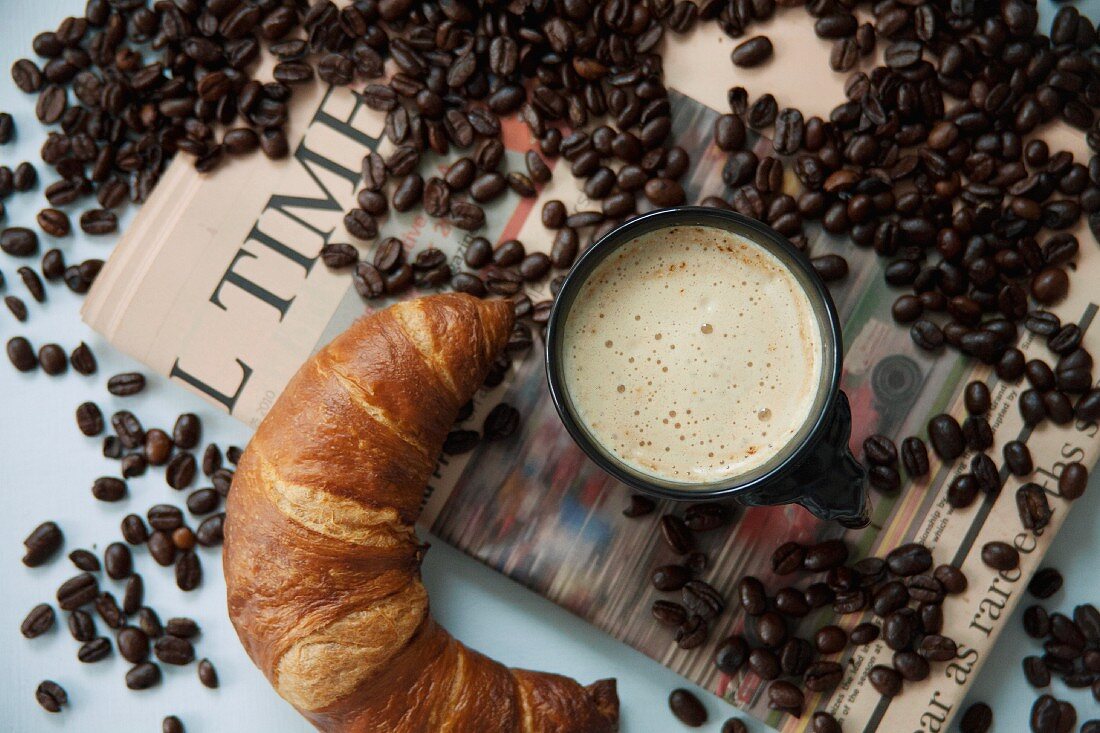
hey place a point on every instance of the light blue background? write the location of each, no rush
(46, 468)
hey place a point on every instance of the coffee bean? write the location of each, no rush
(209, 532)
(1018, 458)
(208, 676)
(38, 621)
(188, 571)
(825, 555)
(771, 629)
(885, 680)
(764, 663)
(1045, 715)
(687, 708)
(830, 639)
(787, 558)
(77, 591)
(1033, 507)
(752, 596)
(668, 613)
(1036, 672)
(1073, 481)
(880, 450)
(143, 676)
(946, 437)
(908, 560)
(822, 676)
(889, 598)
(42, 544)
(94, 650)
(108, 488)
(702, 599)
(864, 633)
(783, 695)
(182, 626)
(824, 722)
(670, 577)
(19, 242)
(951, 578)
(82, 360)
(731, 655)
(180, 471)
(1000, 556)
(118, 561)
(753, 52)
(174, 650)
(927, 335)
(133, 644)
(734, 725)
(108, 609)
(21, 354)
(978, 718)
(128, 383)
(705, 516)
(50, 695)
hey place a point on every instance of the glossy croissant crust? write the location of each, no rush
(321, 560)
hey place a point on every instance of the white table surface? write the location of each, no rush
(46, 469)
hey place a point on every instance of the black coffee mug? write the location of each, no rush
(815, 469)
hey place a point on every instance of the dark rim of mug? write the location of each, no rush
(824, 310)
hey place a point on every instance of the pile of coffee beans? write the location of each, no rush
(139, 635)
(1071, 645)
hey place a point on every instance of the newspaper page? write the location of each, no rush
(218, 285)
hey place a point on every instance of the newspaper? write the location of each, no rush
(217, 284)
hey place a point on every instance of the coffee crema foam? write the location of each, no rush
(692, 354)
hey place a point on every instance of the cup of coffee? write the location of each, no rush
(694, 354)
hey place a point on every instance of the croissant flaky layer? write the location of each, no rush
(322, 562)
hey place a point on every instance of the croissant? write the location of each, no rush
(322, 563)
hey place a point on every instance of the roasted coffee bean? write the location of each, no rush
(977, 398)
(880, 450)
(783, 695)
(1036, 672)
(133, 644)
(1033, 507)
(764, 663)
(731, 655)
(21, 354)
(677, 535)
(108, 488)
(734, 725)
(822, 676)
(752, 595)
(702, 599)
(158, 446)
(692, 633)
(885, 680)
(926, 589)
(910, 559)
(791, 602)
(125, 384)
(94, 650)
(830, 639)
(889, 598)
(1045, 583)
(99, 221)
(161, 547)
(188, 568)
(143, 676)
(831, 267)
(788, 558)
(687, 708)
(38, 621)
(209, 532)
(174, 650)
(77, 591)
(81, 626)
(134, 594)
(771, 629)
(1073, 480)
(1000, 556)
(37, 290)
(108, 609)
(134, 530)
(911, 666)
(1039, 374)
(149, 622)
(82, 360)
(19, 242)
(705, 516)
(1032, 408)
(668, 613)
(825, 555)
(639, 506)
(670, 577)
(1017, 458)
(42, 544)
(985, 473)
(753, 52)
(864, 633)
(951, 578)
(180, 471)
(118, 561)
(208, 676)
(914, 456)
(927, 335)
(938, 648)
(1045, 714)
(946, 437)
(17, 307)
(51, 696)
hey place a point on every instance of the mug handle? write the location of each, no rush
(833, 483)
